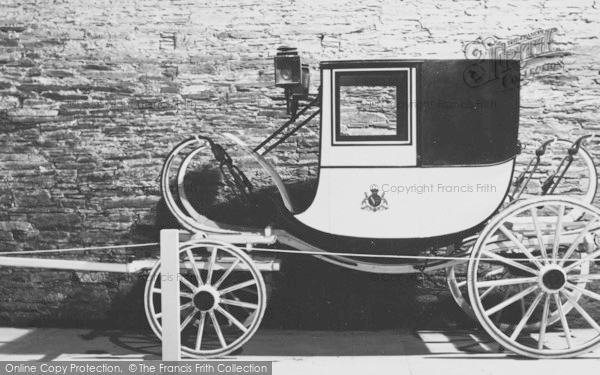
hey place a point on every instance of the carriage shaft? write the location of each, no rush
(265, 265)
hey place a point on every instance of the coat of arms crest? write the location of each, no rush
(374, 202)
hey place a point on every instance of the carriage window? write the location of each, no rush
(372, 106)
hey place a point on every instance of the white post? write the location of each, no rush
(169, 259)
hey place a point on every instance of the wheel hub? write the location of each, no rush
(205, 298)
(552, 279)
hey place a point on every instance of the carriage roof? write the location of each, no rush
(370, 62)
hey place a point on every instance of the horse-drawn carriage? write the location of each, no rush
(417, 172)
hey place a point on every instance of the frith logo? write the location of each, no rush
(374, 202)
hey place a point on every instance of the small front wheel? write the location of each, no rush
(222, 297)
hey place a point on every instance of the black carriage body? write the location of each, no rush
(467, 110)
(456, 122)
(473, 112)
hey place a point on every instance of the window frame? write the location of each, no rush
(396, 139)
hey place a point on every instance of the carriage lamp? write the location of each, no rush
(305, 79)
(300, 90)
(288, 67)
(292, 75)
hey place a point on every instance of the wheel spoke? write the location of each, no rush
(584, 291)
(521, 301)
(237, 286)
(156, 290)
(232, 319)
(200, 330)
(581, 311)
(526, 316)
(499, 316)
(511, 300)
(557, 233)
(509, 262)
(195, 269)
(538, 232)
(246, 305)
(492, 288)
(185, 306)
(213, 318)
(503, 282)
(521, 247)
(563, 320)
(186, 295)
(544, 323)
(573, 246)
(229, 270)
(587, 258)
(584, 277)
(187, 320)
(252, 291)
(211, 265)
(487, 292)
(187, 283)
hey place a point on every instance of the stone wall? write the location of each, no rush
(93, 94)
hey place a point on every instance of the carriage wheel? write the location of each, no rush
(223, 298)
(458, 285)
(456, 277)
(544, 254)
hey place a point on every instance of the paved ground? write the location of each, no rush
(305, 352)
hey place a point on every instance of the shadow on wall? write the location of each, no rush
(209, 193)
(309, 293)
(306, 294)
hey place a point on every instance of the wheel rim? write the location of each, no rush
(534, 283)
(221, 306)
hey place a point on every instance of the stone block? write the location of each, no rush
(57, 221)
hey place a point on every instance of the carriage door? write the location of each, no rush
(373, 119)
(368, 137)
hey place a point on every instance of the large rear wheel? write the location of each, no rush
(550, 275)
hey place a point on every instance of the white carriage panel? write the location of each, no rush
(456, 199)
(364, 153)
